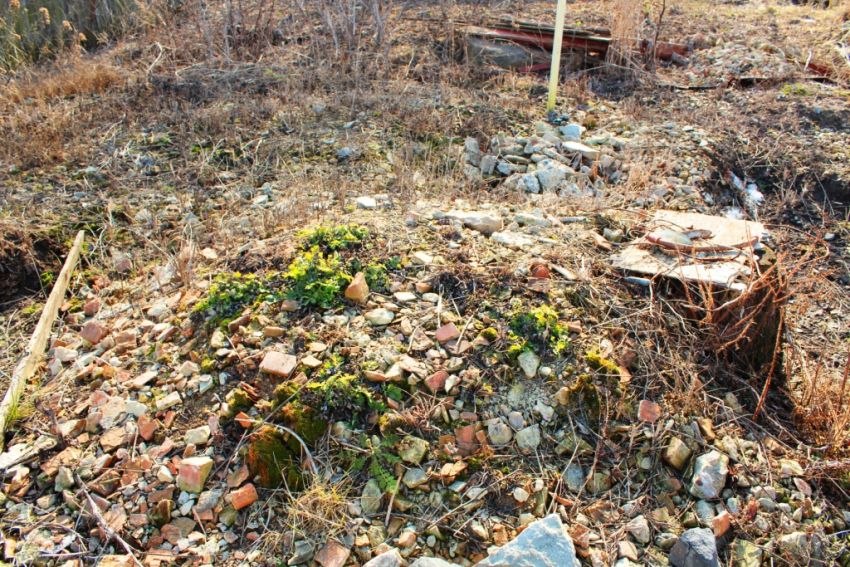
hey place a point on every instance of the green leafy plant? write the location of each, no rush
(334, 238)
(230, 293)
(316, 279)
(538, 328)
(379, 462)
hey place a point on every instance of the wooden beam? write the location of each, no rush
(38, 341)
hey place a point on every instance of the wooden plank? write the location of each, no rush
(38, 341)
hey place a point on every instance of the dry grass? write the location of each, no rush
(318, 509)
(65, 79)
(626, 17)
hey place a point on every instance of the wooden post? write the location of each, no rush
(38, 342)
(555, 68)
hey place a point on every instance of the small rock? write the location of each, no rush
(746, 553)
(379, 316)
(414, 478)
(499, 433)
(366, 202)
(422, 258)
(677, 454)
(571, 132)
(577, 147)
(332, 554)
(169, 401)
(193, 473)
(544, 543)
(529, 362)
(446, 333)
(520, 494)
(64, 479)
(709, 477)
(483, 222)
(93, 332)
(303, 552)
(370, 499)
(528, 439)
(243, 497)
(278, 364)
(638, 527)
(358, 290)
(391, 558)
(199, 435)
(695, 548)
(649, 411)
(412, 449)
(512, 239)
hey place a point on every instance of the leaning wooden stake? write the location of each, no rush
(35, 349)
(555, 68)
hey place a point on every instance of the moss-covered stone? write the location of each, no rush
(271, 460)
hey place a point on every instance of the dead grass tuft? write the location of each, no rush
(81, 77)
(319, 509)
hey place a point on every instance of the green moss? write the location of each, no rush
(303, 421)
(339, 394)
(389, 422)
(490, 333)
(598, 362)
(316, 279)
(333, 238)
(207, 365)
(237, 400)
(795, 89)
(271, 460)
(537, 329)
(231, 293)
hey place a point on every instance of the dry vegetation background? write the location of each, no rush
(227, 92)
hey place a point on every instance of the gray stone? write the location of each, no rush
(412, 449)
(638, 527)
(695, 548)
(303, 552)
(528, 439)
(544, 543)
(370, 499)
(414, 478)
(432, 562)
(499, 433)
(379, 316)
(571, 132)
(709, 477)
(512, 239)
(532, 219)
(746, 553)
(575, 477)
(488, 164)
(391, 558)
(586, 152)
(472, 151)
(366, 202)
(64, 479)
(529, 362)
(805, 549)
(483, 222)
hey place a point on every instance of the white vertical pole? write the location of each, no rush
(555, 68)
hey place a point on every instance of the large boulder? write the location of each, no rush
(544, 543)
